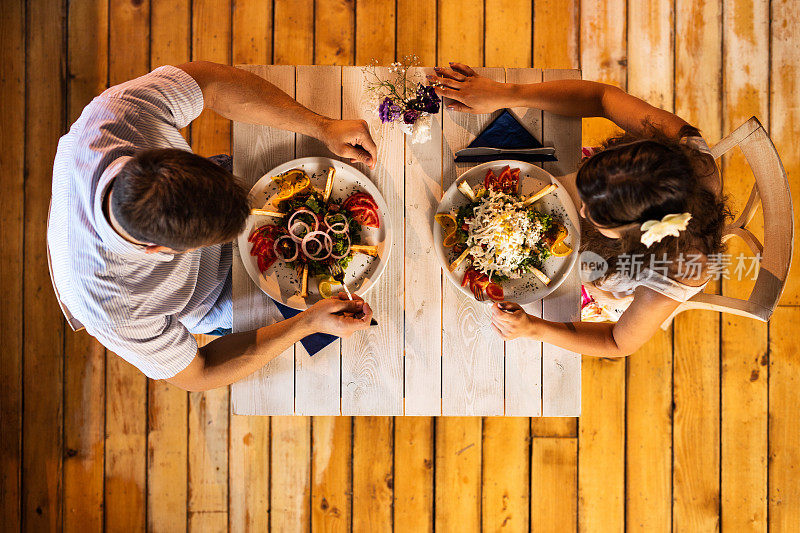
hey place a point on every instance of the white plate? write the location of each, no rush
(559, 204)
(280, 282)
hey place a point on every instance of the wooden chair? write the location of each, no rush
(772, 190)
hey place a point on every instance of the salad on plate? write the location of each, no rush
(501, 234)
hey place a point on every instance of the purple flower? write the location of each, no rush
(388, 110)
(411, 116)
(429, 100)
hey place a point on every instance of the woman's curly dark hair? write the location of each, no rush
(636, 178)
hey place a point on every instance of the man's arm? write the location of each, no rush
(233, 357)
(242, 96)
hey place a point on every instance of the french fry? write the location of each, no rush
(267, 213)
(459, 259)
(544, 192)
(364, 249)
(304, 282)
(466, 190)
(329, 184)
(541, 275)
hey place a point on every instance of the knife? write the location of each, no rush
(486, 150)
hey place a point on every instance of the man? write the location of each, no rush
(140, 227)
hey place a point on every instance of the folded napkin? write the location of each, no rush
(312, 343)
(505, 132)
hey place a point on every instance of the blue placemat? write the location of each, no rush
(505, 132)
(312, 343)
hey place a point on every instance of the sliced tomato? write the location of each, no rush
(265, 261)
(489, 180)
(469, 277)
(360, 199)
(366, 216)
(514, 186)
(495, 292)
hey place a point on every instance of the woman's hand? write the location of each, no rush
(350, 139)
(470, 92)
(338, 316)
(510, 321)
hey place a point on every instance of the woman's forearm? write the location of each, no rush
(574, 98)
(587, 338)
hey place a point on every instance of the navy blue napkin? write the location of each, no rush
(312, 343)
(505, 132)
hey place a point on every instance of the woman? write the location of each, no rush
(650, 198)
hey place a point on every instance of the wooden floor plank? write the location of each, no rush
(84, 357)
(290, 474)
(458, 474)
(508, 33)
(648, 456)
(784, 113)
(373, 473)
(554, 485)
(331, 473)
(375, 40)
(413, 473)
(784, 396)
(293, 32)
(555, 34)
(334, 36)
(601, 446)
(167, 428)
(505, 491)
(416, 30)
(462, 42)
(12, 237)
(603, 56)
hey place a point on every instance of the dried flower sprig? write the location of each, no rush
(402, 98)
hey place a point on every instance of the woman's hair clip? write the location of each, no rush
(655, 230)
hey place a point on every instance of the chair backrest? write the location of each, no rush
(771, 190)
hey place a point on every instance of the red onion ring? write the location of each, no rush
(325, 244)
(346, 251)
(330, 225)
(304, 210)
(276, 249)
(294, 236)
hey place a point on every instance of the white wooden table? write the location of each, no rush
(434, 352)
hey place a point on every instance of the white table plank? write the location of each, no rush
(523, 372)
(423, 276)
(270, 390)
(318, 378)
(372, 361)
(561, 369)
(472, 354)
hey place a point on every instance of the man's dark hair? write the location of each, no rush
(178, 199)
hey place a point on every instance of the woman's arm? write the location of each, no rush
(240, 95)
(638, 323)
(472, 93)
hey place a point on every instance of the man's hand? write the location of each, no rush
(468, 91)
(351, 139)
(510, 321)
(340, 317)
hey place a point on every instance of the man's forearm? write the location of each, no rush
(236, 356)
(242, 96)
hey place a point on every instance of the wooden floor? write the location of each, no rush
(697, 431)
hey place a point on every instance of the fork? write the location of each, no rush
(337, 273)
